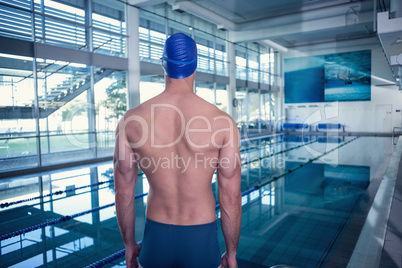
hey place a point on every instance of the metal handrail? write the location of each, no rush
(47, 66)
(104, 43)
(393, 131)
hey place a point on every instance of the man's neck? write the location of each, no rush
(179, 85)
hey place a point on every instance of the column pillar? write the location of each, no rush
(231, 52)
(133, 44)
(92, 139)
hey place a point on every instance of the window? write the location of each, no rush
(205, 90)
(109, 35)
(110, 106)
(221, 97)
(18, 125)
(150, 86)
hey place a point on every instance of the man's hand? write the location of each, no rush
(227, 261)
(131, 256)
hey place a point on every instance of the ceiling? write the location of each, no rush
(288, 24)
(254, 10)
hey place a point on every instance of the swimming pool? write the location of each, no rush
(302, 193)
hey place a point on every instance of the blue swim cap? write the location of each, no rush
(179, 56)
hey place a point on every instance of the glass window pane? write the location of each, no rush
(206, 53)
(222, 97)
(16, 23)
(109, 30)
(273, 69)
(241, 62)
(109, 43)
(253, 66)
(273, 116)
(265, 65)
(254, 123)
(17, 123)
(151, 45)
(68, 31)
(241, 110)
(150, 86)
(62, 94)
(221, 57)
(205, 90)
(110, 106)
(67, 12)
(265, 111)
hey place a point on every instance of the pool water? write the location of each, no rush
(308, 189)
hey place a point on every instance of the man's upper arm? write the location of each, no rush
(124, 160)
(229, 168)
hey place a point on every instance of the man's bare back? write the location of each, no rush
(180, 155)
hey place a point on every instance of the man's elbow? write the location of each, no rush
(232, 198)
(237, 198)
(230, 173)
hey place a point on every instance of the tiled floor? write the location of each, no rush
(391, 255)
(392, 251)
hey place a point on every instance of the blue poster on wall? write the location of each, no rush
(327, 78)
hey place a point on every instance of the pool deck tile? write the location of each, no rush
(391, 256)
(392, 250)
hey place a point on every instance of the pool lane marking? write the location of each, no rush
(311, 160)
(281, 152)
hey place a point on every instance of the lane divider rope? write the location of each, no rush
(7, 204)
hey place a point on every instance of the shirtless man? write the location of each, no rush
(179, 140)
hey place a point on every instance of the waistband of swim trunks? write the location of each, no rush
(205, 225)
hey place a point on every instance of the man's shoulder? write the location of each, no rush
(209, 107)
(139, 110)
(223, 115)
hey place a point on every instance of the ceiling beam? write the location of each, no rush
(202, 12)
(145, 3)
(346, 9)
(323, 24)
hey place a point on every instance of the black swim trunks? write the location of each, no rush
(180, 246)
